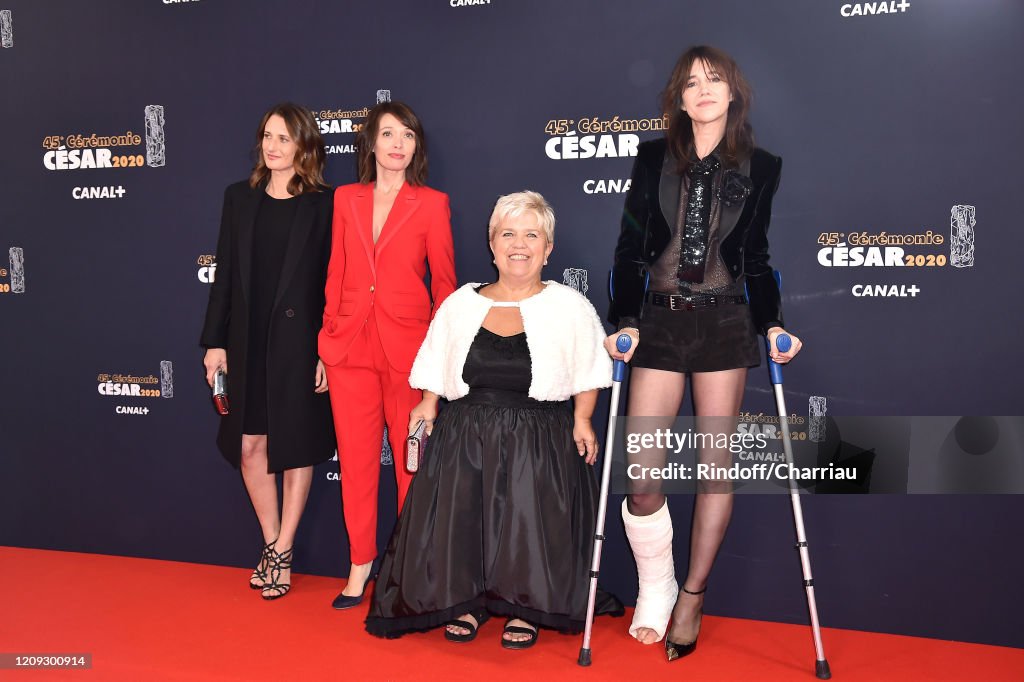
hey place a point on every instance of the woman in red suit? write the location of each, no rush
(388, 228)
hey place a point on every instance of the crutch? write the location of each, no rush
(618, 374)
(783, 342)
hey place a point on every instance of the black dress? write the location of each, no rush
(501, 514)
(270, 239)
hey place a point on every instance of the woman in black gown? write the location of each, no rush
(500, 518)
(264, 314)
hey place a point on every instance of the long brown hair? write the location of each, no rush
(739, 136)
(416, 173)
(309, 155)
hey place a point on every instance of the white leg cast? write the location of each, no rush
(650, 538)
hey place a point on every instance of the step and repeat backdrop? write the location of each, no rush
(896, 228)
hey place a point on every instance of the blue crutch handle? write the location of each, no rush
(783, 342)
(623, 344)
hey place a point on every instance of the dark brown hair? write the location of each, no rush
(739, 136)
(416, 173)
(309, 155)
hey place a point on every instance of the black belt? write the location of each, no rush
(692, 301)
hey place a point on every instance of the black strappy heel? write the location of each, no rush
(260, 572)
(279, 562)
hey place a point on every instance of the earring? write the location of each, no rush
(545, 262)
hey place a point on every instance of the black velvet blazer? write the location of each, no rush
(652, 205)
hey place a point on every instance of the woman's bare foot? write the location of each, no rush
(519, 636)
(458, 629)
(646, 636)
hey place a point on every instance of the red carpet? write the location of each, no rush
(161, 620)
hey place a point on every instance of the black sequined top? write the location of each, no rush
(692, 261)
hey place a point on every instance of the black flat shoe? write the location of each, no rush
(481, 616)
(518, 630)
(260, 573)
(673, 650)
(343, 601)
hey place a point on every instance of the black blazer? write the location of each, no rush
(651, 207)
(300, 430)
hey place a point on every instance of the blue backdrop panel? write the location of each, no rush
(894, 226)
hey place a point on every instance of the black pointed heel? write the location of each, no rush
(673, 650)
(260, 573)
(279, 562)
(343, 601)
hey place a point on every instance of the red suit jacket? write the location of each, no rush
(387, 275)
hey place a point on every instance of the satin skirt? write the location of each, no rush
(501, 516)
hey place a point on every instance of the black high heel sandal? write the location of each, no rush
(481, 615)
(260, 572)
(279, 562)
(675, 651)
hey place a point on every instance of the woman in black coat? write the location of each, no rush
(265, 311)
(693, 288)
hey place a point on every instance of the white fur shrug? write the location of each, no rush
(563, 333)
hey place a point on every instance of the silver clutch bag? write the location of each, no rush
(416, 446)
(220, 391)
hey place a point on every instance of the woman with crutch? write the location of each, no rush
(694, 232)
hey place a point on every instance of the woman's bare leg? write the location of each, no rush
(262, 489)
(261, 485)
(296, 491)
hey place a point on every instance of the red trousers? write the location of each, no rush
(365, 393)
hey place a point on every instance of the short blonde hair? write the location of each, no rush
(514, 205)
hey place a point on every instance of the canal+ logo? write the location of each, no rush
(867, 9)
